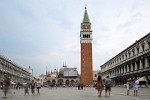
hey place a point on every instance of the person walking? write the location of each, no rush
(33, 87)
(38, 86)
(78, 85)
(6, 82)
(108, 83)
(99, 86)
(26, 88)
(129, 86)
(135, 86)
(81, 86)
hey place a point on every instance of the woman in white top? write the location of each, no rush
(129, 86)
(38, 85)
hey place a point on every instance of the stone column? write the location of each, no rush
(141, 65)
(113, 73)
(121, 70)
(127, 68)
(131, 67)
(140, 48)
(146, 45)
(135, 66)
(124, 69)
(146, 62)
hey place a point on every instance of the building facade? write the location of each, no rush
(16, 73)
(42, 79)
(133, 62)
(86, 51)
(65, 76)
(95, 75)
(30, 70)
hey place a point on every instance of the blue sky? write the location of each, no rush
(40, 33)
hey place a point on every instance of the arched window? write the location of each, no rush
(143, 47)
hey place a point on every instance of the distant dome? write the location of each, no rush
(61, 69)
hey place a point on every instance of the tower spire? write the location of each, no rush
(85, 17)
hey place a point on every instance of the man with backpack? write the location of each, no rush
(135, 86)
(108, 83)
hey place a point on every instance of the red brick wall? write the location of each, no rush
(86, 64)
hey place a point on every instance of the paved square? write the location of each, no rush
(72, 93)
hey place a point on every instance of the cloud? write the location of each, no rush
(47, 33)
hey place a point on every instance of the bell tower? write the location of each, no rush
(86, 50)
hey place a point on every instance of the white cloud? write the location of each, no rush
(47, 33)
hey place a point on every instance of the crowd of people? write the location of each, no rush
(132, 85)
(34, 85)
(101, 84)
(107, 83)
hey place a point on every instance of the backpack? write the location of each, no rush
(130, 86)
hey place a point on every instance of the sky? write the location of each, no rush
(40, 33)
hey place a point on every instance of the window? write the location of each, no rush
(123, 57)
(89, 36)
(86, 35)
(126, 56)
(142, 47)
(129, 54)
(133, 52)
(137, 50)
(149, 44)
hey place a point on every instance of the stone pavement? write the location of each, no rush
(72, 93)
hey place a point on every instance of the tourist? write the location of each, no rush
(81, 86)
(108, 83)
(38, 86)
(99, 86)
(33, 87)
(6, 82)
(129, 85)
(26, 88)
(135, 86)
(78, 85)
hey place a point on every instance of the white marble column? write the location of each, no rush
(124, 69)
(140, 48)
(135, 66)
(131, 67)
(121, 70)
(113, 72)
(127, 68)
(146, 62)
(141, 65)
(146, 45)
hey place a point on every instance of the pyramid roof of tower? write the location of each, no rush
(85, 17)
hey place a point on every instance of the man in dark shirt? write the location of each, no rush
(33, 87)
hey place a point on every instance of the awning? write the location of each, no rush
(143, 79)
(12, 82)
